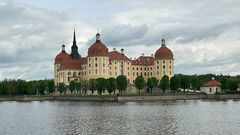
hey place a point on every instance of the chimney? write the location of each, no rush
(114, 49)
(134, 58)
(130, 58)
(142, 54)
(122, 51)
(152, 55)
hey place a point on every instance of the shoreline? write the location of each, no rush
(121, 98)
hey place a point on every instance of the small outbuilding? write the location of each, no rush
(211, 87)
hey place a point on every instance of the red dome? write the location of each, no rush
(164, 53)
(63, 56)
(98, 49)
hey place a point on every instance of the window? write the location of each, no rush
(128, 68)
(69, 73)
(170, 67)
(95, 59)
(89, 72)
(163, 67)
(68, 79)
(145, 74)
(96, 71)
(74, 73)
(133, 68)
(79, 73)
(210, 90)
(163, 72)
(145, 69)
(103, 64)
(128, 73)
(115, 73)
(96, 65)
(89, 65)
(110, 73)
(89, 59)
(157, 67)
(137, 68)
(170, 73)
(157, 72)
(104, 71)
(170, 61)
(133, 74)
(157, 62)
(164, 61)
(137, 73)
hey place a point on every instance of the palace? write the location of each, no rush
(100, 62)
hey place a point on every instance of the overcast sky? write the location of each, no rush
(204, 35)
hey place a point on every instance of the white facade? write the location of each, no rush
(210, 89)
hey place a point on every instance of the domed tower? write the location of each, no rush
(98, 60)
(59, 59)
(164, 62)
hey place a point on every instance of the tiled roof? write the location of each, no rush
(144, 61)
(115, 55)
(164, 53)
(98, 49)
(212, 83)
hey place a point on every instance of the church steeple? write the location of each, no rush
(74, 51)
(74, 38)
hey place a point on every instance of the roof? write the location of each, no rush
(164, 53)
(144, 61)
(98, 49)
(63, 56)
(72, 64)
(212, 83)
(115, 55)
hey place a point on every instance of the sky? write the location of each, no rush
(204, 36)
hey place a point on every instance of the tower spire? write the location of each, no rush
(74, 37)
(74, 52)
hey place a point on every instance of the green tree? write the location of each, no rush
(122, 83)
(92, 85)
(111, 85)
(151, 83)
(42, 87)
(100, 85)
(233, 86)
(78, 86)
(139, 83)
(61, 88)
(72, 86)
(3, 89)
(174, 83)
(85, 86)
(195, 83)
(21, 87)
(184, 83)
(50, 86)
(164, 83)
(32, 87)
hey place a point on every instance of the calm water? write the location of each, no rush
(134, 118)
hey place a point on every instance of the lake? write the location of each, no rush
(132, 118)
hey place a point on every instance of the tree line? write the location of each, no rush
(101, 85)
(185, 82)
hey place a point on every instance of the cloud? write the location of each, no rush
(203, 35)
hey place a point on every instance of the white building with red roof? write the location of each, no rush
(100, 62)
(211, 87)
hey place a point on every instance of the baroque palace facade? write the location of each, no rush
(100, 62)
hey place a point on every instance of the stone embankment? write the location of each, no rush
(122, 98)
